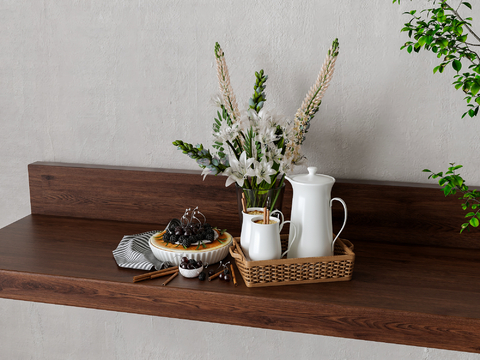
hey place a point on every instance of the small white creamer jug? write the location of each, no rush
(245, 234)
(265, 241)
(312, 215)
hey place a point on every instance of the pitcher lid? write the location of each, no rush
(312, 177)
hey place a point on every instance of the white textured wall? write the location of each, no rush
(115, 82)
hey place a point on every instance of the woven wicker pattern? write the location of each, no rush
(296, 271)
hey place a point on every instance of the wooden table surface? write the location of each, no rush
(414, 295)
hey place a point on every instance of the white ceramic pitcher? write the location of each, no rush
(246, 227)
(312, 215)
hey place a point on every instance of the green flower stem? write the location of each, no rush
(247, 184)
(278, 192)
(233, 149)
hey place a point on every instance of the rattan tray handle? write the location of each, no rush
(238, 254)
(348, 246)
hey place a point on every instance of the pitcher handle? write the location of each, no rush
(281, 215)
(344, 220)
(294, 237)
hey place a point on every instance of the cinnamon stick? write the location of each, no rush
(215, 275)
(233, 275)
(244, 203)
(149, 275)
(264, 215)
(163, 274)
(170, 279)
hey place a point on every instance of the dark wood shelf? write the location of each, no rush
(400, 293)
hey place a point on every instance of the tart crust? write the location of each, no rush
(157, 241)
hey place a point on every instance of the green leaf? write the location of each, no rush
(474, 222)
(474, 88)
(447, 189)
(457, 65)
(458, 181)
(467, 5)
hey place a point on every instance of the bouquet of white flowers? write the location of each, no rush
(256, 148)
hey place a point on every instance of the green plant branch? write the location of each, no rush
(440, 29)
(461, 19)
(451, 182)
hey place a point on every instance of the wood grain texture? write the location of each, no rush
(423, 296)
(377, 211)
(130, 194)
(402, 213)
(236, 309)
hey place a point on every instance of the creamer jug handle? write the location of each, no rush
(344, 221)
(281, 216)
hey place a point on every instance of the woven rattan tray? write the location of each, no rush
(338, 267)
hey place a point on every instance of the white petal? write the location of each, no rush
(268, 179)
(230, 181)
(205, 172)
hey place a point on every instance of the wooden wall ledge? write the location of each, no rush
(404, 291)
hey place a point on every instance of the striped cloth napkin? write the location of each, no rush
(134, 252)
